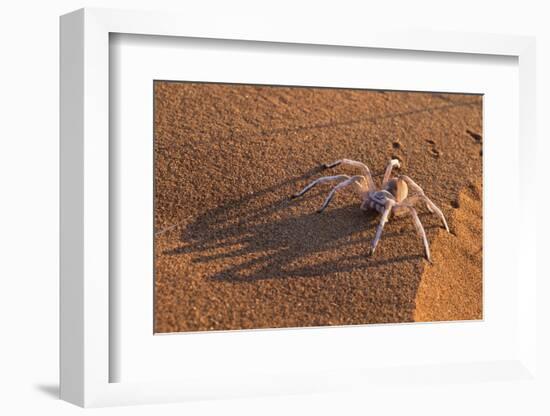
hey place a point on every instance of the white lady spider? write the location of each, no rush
(391, 198)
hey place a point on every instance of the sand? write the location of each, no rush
(233, 251)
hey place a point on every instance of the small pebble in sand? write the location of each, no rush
(476, 136)
(435, 153)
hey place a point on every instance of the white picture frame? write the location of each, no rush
(85, 168)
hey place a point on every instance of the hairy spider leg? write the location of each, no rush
(383, 220)
(353, 180)
(422, 196)
(431, 206)
(318, 181)
(420, 230)
(393, 163)
(364, 168)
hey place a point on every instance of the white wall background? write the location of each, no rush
(29, 205)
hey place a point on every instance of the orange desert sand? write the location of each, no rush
(233, 251)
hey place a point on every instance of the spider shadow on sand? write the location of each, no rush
(266, 235)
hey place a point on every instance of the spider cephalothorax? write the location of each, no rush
(392, 197)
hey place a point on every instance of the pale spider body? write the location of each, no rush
(391, 198)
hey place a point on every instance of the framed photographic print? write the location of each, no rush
(279, 212)
(231, 217)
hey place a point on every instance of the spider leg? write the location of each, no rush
(387, 174)
(318, 181)
(429, 204)
(431, 207)
(364, 169)
(434, 208)
(383, 221)
(420, 230)
(347, 182)
(412, 184)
